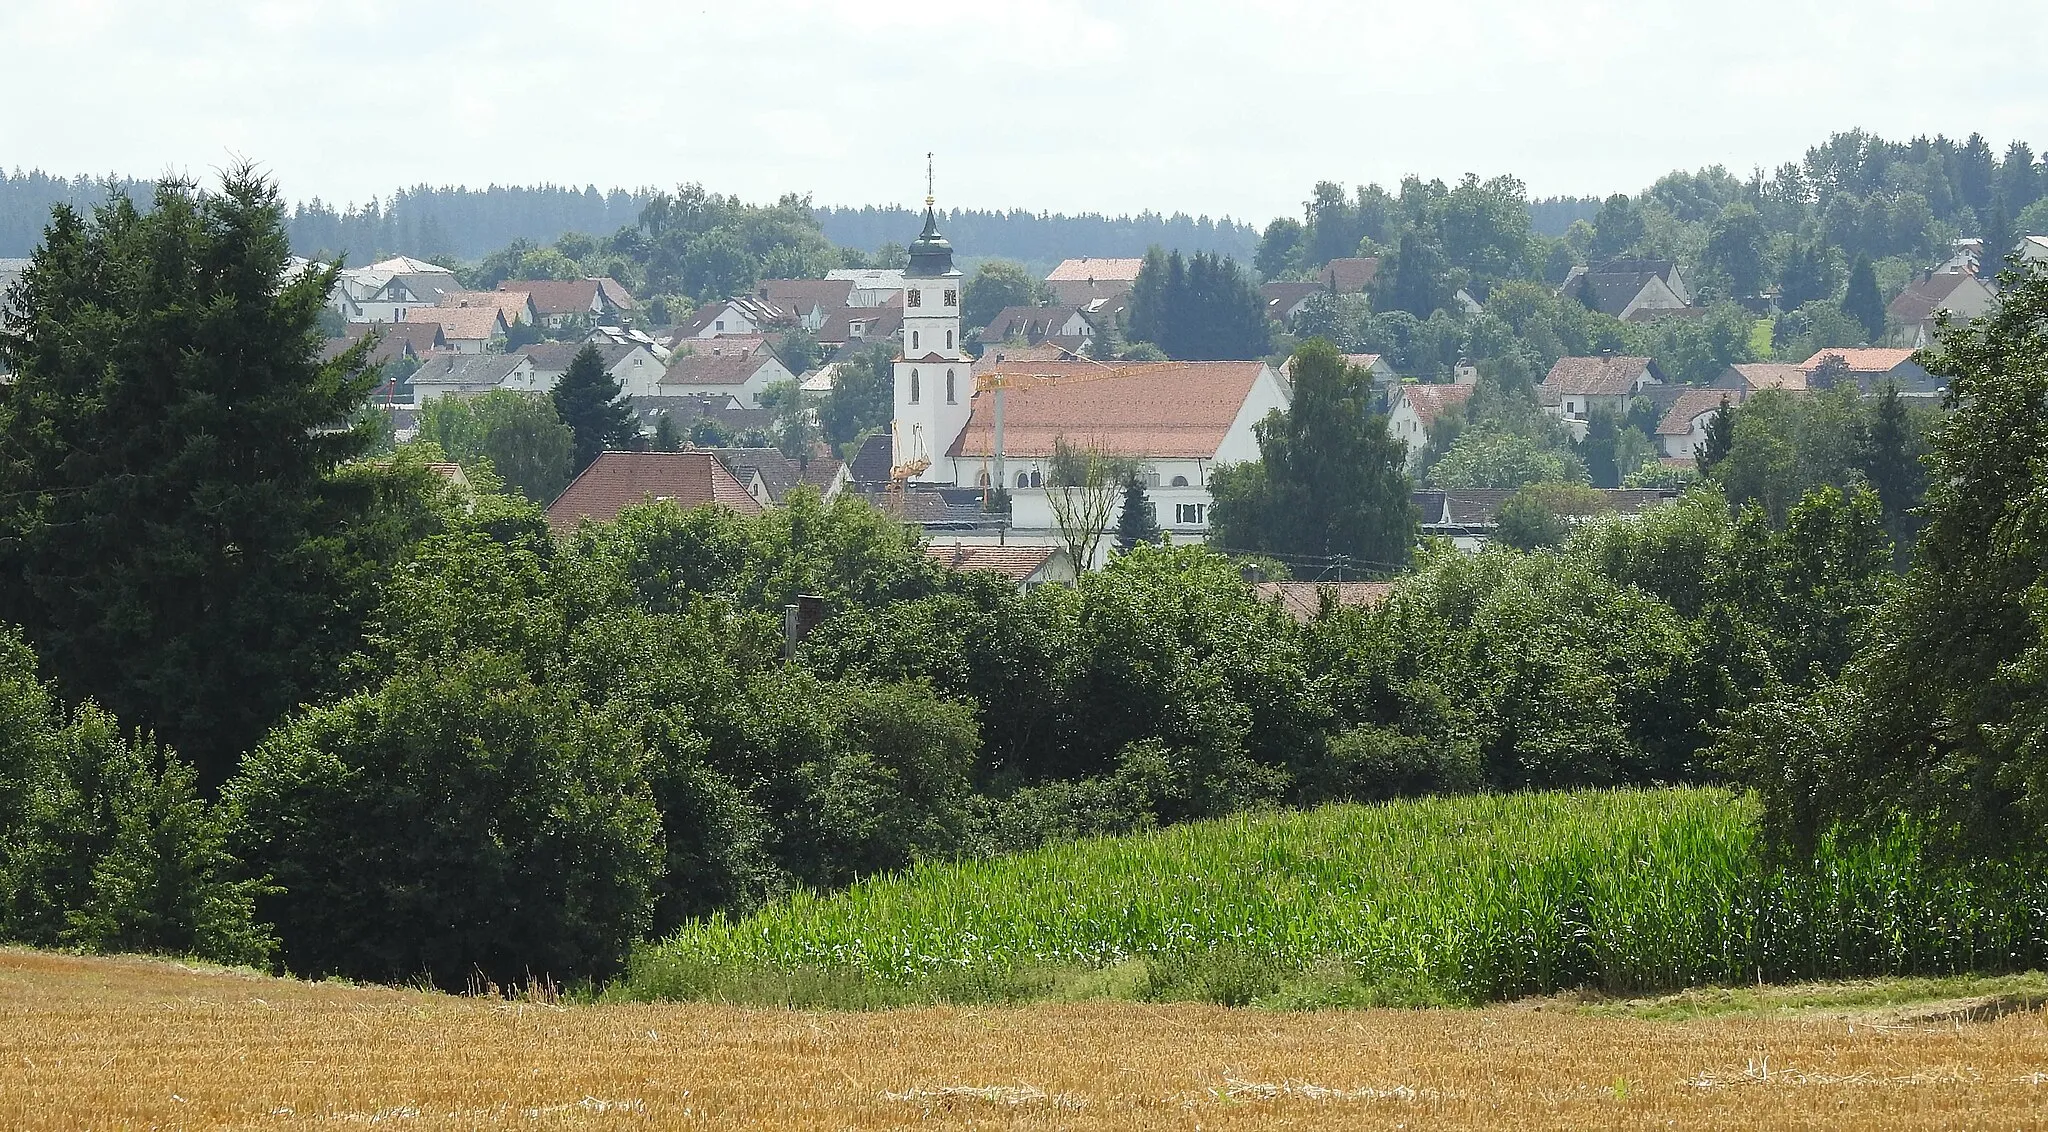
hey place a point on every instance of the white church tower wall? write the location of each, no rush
(934, 375)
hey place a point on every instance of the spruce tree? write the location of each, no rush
(174, 539)
(1720, 438)
(1862, 301)
(666, 436)
(590, 402)
(1138, 522)
(1895, 473)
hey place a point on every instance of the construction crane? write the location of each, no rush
(997, 381)
(916, 465)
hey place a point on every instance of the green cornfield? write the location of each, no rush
(1461, 900)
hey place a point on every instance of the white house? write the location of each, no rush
(741, 376)
(634, 367)
(378, 294)
(1575, 387)
(1917, 309)
(1628, 288)
(1683, 430)
(1413, 409)
(872, 287)
(467, 375)
(468, 330)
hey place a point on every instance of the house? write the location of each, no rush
(872, 287)
(1029, 566)
(2033, 250)
(467, 375)
(809, 301)
(634, 367)
(1683, 429)
(516, 306)
(1918, 308)
(383, 293)
(870, 466)
(1077, 281)
(563, 302)
(743, 315)
(1871, 367)
(770, 476)
(1755, 377)
(1305, 601)
(1349, 275)
(395, 342)
(739, 376)
(468, 330)
(1064, 327)
(1285, 298)
(1414, 409)
(618, 480)
(1623, 287)
(851, 326)
(1002, 354)
(685, 412)
(1578, 386)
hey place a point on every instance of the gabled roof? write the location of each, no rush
(1029, 323)
(468, 369)
(1001, 355)
(554, 357)
(1433, 401)
(465, 324)
(801, 295)
(512, 304)
(1303, 601)
(1611, 375)
(1690, 405)
(615, 293)
(1869, 359)
(1926, 295)
(1173, 410)
(777, 471)
(1020, 563)
(714, 369)
(1351, 274)
(882, 322)
(618, 480)
(422, 338)
(1771, 375)
(406, 265)
(570, 296)
(1089, 269)
(873, 461)
(1284, 295)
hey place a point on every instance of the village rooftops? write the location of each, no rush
(1303, 601)
(465, 324)
(1755, 376)
(1611, 375)
(1349, 275)
(1172, 410)
(618, 480)
(1431, 402)
(1016, 562)
(1869, 359)
(714, 369)
(1092, 270)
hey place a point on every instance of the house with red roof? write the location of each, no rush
(1414, 409)
(618, 480)
(1917, 310)
(739, 374)
(1871, 368)
(1683, 429)
(1028, 565)
(1575, 387)
(1075, 282)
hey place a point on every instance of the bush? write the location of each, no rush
(459, 819)
(105, 843)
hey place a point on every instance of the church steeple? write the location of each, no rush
(934, 381)
(931, 254)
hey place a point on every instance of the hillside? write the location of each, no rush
(1467, 899)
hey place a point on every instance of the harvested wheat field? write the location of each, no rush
(134, 1043)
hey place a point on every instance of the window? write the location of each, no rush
(952, 298)
(981, 480)
(913, 298)
(949, 339)
(913, 339)
(913, 387)
(950, 400)
(1189, 514)
(1023, 479)
(1036, 480)
(1180, 481)
(719, 325)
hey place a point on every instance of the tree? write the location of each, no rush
(526, 444)
(1896, 474)
(1808, 276)
(796, 426)
(1329, 480)
(1734, 253)
(590, 402)
(1280, 249)
(1541, 514)
(1082, 487)
(1599, 448)
(863, 396)
(1137, 521)
(174, 536)
(1862, 301)
(667, 438)
(1720, 438)
(1200, 309)
(1418, 280)
(995, 285)
(1495, 458)
(1617, 229)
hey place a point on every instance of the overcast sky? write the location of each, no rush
(1115, 105)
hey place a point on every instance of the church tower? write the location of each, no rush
(934, 377)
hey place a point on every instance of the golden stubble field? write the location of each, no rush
(98, 1043)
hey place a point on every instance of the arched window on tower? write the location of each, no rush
(913, 339)
(949, 339)
(950, 398)
(913, 387)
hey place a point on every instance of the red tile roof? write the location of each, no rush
(1350, 275)
(570, 296)
(1864, 360)
(1089, 269)
(1018, 562)
(511, 304)
(714, 369)
(1690, 405)
(618, 480)
(1432, 401)
(469, 324)
(1602, 377)
(1303, 601)
(1175, 410)
(1772, 375)
(1924, 296)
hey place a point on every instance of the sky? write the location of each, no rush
(1055, 105)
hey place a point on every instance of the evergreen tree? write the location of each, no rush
(1138, 522)
(1862, 301)
(173, 537)
(1720, 438)
(1420, 280)
(1894, 468)
(1280, 249)
(1808, 276)
(1330, 479)
(1999, 241)
(590, 402)
(1203, 309)
(1600, 449)
(666, 437)
(1617, 229)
